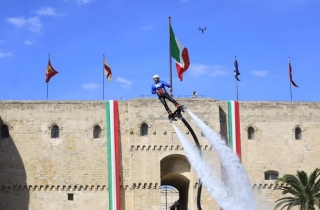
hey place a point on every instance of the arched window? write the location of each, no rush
(4, 131)
(297, 133)
(96, 132)
(55, 131)
(271, 175)
(144, 129)
(250, 132)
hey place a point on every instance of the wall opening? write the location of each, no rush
(169, 197)
(297, 133)
(70, 196)
(144, 129)
(175, 175)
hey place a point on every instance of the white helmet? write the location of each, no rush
(156, 76)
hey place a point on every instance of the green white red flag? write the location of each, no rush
(113, 142)
(180, 54)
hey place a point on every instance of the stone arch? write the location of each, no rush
(144, 128)
(175, 170)
(298, 129)
(55, 130)
(53, 124)
(96, 131)
(251, 131)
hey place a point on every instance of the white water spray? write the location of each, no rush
(238, 180)
(209, 179)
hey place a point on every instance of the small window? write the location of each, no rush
(70, 196)
(271, 175)
(297, 133)
(55, 131)
(144, 129)
(250, 133)
(4, 131)
(96, 132)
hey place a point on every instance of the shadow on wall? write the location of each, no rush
(223, 125)
(224, 137)
(14, 193)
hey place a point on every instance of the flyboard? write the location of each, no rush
(178, 116)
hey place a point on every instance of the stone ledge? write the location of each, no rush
(164, 147)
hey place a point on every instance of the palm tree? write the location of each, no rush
(304, 190)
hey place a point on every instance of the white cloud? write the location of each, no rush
(148, 27)
(124, 82)
(91, 86)
(211, 70)
(28, 42)
(199, 69)
(32, 23)
(17, 21)
(83, 2)
(259, 73)
(48, 11)
(217, 72)
(5, 54)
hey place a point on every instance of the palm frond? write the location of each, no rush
(305, 190)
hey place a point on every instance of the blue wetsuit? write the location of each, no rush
(160, 86)
(162, 93)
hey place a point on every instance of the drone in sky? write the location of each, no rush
(202, 29)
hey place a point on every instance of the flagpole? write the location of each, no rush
(237, 88)
(103, 77)
(235, 58)
(170, 59)
(48, 81)
(289, 78)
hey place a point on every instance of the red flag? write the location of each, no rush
(290, 74)
(50, 72)
(107, 70)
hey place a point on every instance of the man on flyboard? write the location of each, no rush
(158, 87)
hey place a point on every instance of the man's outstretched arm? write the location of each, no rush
(153, 89)
(166, 84)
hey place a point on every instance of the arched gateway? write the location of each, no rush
(175, 171)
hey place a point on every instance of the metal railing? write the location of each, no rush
(175, 96)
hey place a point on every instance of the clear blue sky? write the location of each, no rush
(133, 35)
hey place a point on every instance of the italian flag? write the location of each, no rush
(112, 133)
(180, 54)
(234, 127)
(107, 70)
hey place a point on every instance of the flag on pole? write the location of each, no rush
(50, 72)
(236, 70)
(107, 70)
(290, 74)
(180, 54)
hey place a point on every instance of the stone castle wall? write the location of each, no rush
(37, 171)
